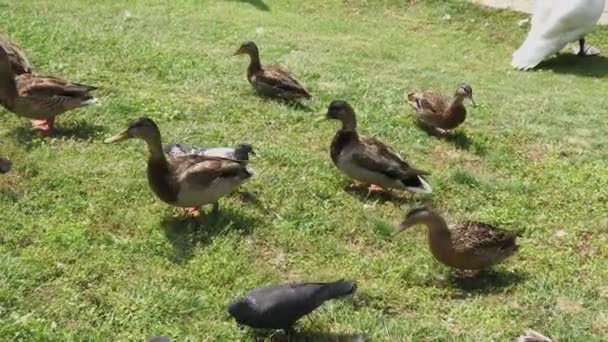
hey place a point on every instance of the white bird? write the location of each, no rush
(555, 24)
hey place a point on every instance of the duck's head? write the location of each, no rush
(415, 216)
(248, 48)
(465, 91)
(342, 111)
(242, 151)
(143, 128)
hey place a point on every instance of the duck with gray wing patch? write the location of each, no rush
(368, 160)
(281, 306)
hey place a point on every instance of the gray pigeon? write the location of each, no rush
(159, 339)
(280, 306)
(5, 165)
(240, 152)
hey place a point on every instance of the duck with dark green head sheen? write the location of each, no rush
(271, 81)
(440, 112)
(368, 160)
(185, 180)
(467, 246)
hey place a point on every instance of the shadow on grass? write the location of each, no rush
(363, 195)
(592, 66)
(490, 281)
(187, 234)
(309, 336)
(459, 139)
(80, 130)
(259, 4)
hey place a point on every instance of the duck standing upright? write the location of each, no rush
(467, 246)
(439, 112)
(39, 97)
(271, 81)
(368, 160)
(187, 180)
(555, 24)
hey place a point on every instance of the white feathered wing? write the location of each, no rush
(555, 24)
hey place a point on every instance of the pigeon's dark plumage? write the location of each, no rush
(5, 165)
(280, 306)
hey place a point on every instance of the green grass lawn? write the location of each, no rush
(88, 253)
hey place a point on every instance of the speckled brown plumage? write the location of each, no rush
(467, 245)
(439, 111)
(39, 97)
(271, 81)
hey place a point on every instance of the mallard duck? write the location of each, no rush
(16, 57)
(39, 97)
(185, 180)
(440, 112)
(368, 160)
(271, 81)
(553, 26)
(5, 165)
(240, 152)
(468, 246)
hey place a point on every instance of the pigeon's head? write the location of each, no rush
(465, 91)
(241, 311)
(5, 165)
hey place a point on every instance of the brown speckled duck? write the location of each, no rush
(439, 112)
(187, 180)
(271, 81)
(368, 160)
(39, 97)
(467, 246)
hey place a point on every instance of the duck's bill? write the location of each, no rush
(117, 138)
(473, 102)
(322, 118)
(238, 52)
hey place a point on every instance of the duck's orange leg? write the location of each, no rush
(44, 126)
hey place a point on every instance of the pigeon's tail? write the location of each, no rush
(339, 289)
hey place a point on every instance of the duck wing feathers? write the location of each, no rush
(471, 235)
(374, 155)
(202, 171)
(279, 77)
(428, 104)
(46, 86)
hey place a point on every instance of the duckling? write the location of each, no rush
(467, 246)
(439, 112)
(271, 81)
(368, 160)
(16, 57)
(39, 97)
(186, 180)
(240, 152)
